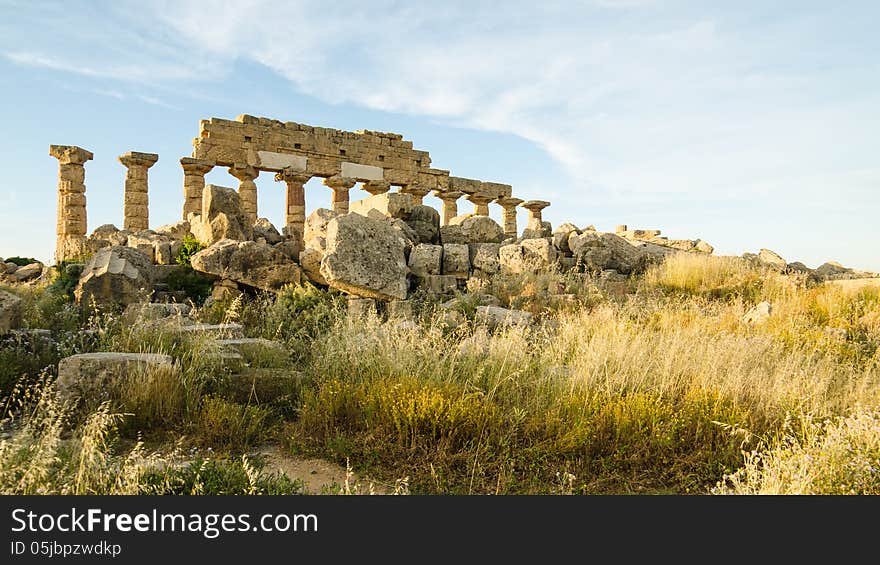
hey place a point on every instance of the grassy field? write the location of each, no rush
(655, 385)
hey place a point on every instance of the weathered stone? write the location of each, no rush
(456, 260)
(484, 258)
(177, 230)
(538, 254)
(425, 222)
(361, 307)
(120, 275)
(704, 247)
(217, 331)
(10, 267)
(10, 312)
(310, 261)
(426, 259)
(291, 247)
(106, 235)
(597, 252)
(315, 231)
(481, 229)
(561, 235)
(365, 257)
(798, 267)
(257, 265)
(452, 233)
(758, 314)
(387, 205)
(440, 284)
(89, 376)
(222, 216)
(163, 254)
(510, 258)
(28, 272)
(400, 310)
(252, 350)
(264, 229)
(497, 317)
(772, 259)
(225, 289)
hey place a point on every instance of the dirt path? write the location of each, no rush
(318, 476)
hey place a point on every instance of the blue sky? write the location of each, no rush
(748, 124)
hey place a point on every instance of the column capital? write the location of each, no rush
(70, 154)
(338, 182)
(415, 190)
(290, 175)
(377, 187)
(534, 206)
(137, 159)
(193, 166)
(479, 198)
(509, 202)
(244, 172)
(448, 195)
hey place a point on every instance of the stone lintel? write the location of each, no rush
(70, 154)
(496, 189)
(138, 159)
(467, 186)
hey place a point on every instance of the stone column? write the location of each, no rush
(481, 203)
(295, 215)
(194, 171)
(247, 189)
(509, 205)
(450, 206)
(136, 207)
(417, 192)
(71, 225)
(340, 186)
(376, 187)
(534, 207)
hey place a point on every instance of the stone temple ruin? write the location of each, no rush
(378, 247)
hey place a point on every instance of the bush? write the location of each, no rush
(227, 425)
(190, 247)
(21, 261)
(196, 285)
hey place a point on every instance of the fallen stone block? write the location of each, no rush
(120, 275)
(89, 377)
(253, 264)
(10, 312)
(456, 260)
(497, 317)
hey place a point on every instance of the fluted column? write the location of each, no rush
(417, 192)
(450, 204)
(247, 189)
(534, 207)
(295, 214)
(340, 186)
(509, 205)
(481, 203)
(194, 171)
(71, 226)
(136, 206)
(376, 187)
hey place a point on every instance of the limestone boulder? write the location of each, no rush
(510, 258)
(452, 233)
(365, 257)
(257, 265)
(315, 230)
(758, 314)
(292, 247)
(538, 254)
(387, 205)
(481, 229)
(704, 247)
(456, 260)
(222, 216)
(425, 222)
(598, 252)
(426, 259)
(177, 230)
(310, 261)
(485, 258)
(497, 317)
(89, 376)
(27, 273)
(119, 275)
(265, 231)
(10, 312)
(106, 235)
(772, 259)
(561, 235)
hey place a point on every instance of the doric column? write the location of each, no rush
(450, 206)
(247, 189)
(534, 207)
(136, 206)
(194, 171)
(509, 205)
(295, 215)
(340, 186)
(376, 187)
(417, 192)
(481, 203)
(71, 225)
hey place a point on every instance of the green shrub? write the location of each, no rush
(196, 285)
(240, 476)
(227, 425)
(21, 261)
(190, 247)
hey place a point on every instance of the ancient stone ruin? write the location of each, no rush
(379, 244)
